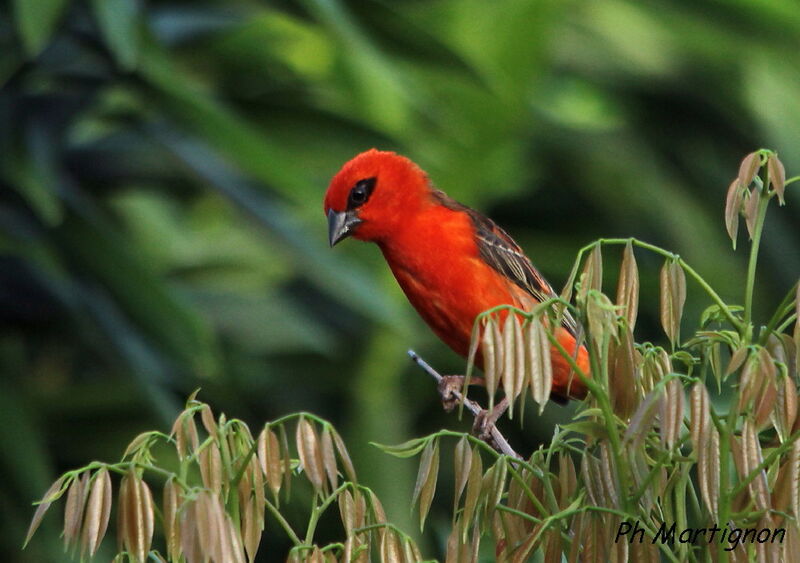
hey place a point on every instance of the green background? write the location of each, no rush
(162, 168)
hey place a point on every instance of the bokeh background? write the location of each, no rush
(162, 167)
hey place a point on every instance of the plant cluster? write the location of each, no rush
(642, 473)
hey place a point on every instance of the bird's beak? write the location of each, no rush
(341, 225)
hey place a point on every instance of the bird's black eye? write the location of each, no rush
(360, 193)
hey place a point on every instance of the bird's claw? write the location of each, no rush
(486, 419)
(450, 387)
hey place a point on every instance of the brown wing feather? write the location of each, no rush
(499, 250)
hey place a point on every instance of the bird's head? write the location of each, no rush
(373, 195)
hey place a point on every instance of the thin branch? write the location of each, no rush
(495, 439)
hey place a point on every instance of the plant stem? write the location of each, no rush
(317, 511)
(763, 200)
(785, 308)
(725, 496)
(284, 524)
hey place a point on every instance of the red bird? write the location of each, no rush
(452, 262)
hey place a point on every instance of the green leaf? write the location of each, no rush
(173, 325)
(36, 20)
(406, 449)
(119, 24)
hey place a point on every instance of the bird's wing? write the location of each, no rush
(498, 249)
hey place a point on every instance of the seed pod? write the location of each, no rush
(211, 467)
(777, 176)
(308, 447)
(673, 297)
(592, 274)
(751, 454)
(73, 509)
(52, 494)
(708, 471)
(733, 208)
(623, 376)
(269, 458)
(642, 420)
(98, 511)
(628, 286)
(751, 211)
(489, 353)
(514, 379)
(538, 360)
(671, 413)
(462, 460)
(426, 479)
(344, 457)
(329, 458)
(473, 493)
(748, 168)
(172, 496)
(136, 515)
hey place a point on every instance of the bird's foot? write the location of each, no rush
(486, 420)
(450, 387)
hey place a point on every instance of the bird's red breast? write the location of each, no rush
(451, 262)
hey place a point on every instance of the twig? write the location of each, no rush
(495, 439)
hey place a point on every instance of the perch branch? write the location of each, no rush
(495, 438)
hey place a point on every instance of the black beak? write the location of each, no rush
(341, 225)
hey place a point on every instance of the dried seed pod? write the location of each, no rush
(748, 168)
(426, 479)
(642, 420)
(751, 454)
(507, 344)
(391, 550)
(751, 211)
(347, 511)
(567, 479)
(462, 460)
(538, 361)
(594, 269)
(733, 208)
(514, 378)
(700, 416)
(671, 406)
(190, 542)
(785, 413)
(608, 473)
(794, 472)
(211, 467)
(207, 418)
(623, 375)
(172, 503)
(708, 471)
(98, 512)
(344, 457)
(777, 176)
(53, 493)
(73, 509)
(673, 297)
(329, 458)
(781, 494)
(308, 447)
(628, 287)
(136, 514)
(489, 352)
(737, 359)
(473, 493)
(269, 458)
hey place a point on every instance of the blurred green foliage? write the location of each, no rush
(162, 166)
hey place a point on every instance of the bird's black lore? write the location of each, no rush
(671, 534)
